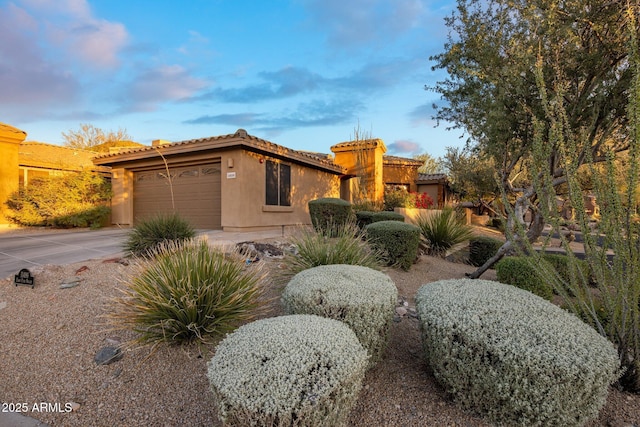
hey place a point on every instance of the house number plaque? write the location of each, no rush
(25, 278)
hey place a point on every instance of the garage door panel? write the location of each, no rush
(196, 194)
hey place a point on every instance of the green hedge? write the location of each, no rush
(363, 298)
(386, 216)
(364, 218)
(329, 213)
(520, 272)
(398, 240)
(298, 370)
(482, 248)
(512, 356)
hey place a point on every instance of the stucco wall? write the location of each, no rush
(10, 139)
(243, 197)
(122, 200)
(401, 174)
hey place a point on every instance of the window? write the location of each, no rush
(278, 184)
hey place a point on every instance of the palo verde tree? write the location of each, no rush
(493, 52)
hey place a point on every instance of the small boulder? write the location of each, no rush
(108, 355)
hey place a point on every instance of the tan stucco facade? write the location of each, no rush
(363, 159)
(401, 172)
(10, 139)
(243, 160)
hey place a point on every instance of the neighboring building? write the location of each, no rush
(235, 182)
(436, 185)
(37, 159)
(10, 139)
(400, 172)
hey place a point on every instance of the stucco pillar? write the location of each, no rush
(122, 201)
(10, 139)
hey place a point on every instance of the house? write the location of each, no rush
(37, 159)
(239, 182)
(234, 182)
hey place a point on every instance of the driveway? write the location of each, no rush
(22, 249)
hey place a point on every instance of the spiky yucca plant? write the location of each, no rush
(348, 246)
(443, 230)
(146, 236)
(188, 292)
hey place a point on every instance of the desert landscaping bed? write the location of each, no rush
(51, 335)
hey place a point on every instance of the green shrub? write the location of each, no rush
(148, 234)
(298, 370)
(398, 240)
(579, 269)
(364, 218)
(188, 291)
(518, 271)
(314, 249)
(72, 200)
(366, 205)
(512, 356)
(362, 298)
(398, 199)
(386, 216)
(443, 230)
(327, 213)
(482, 248)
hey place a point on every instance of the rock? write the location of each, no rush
(74, 406)
(401, 311)
(113, 342)
(82, 269)
(70, 282)
(3, 304)
(108, 355)
(397, 318)
(413, 313)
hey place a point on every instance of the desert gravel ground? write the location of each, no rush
(49, 337)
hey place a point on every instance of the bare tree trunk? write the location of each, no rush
(533, 232)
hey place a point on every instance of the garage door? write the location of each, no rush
(196, 194)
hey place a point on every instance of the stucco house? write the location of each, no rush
(10, 139)
(234, 182)
(37, 159)
(436, 185)
(239, 182)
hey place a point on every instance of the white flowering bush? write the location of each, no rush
(361, 297)
(513, 356)
(298, 370)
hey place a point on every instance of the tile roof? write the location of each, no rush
(240, 138)
(375, 142)
(431, 177)
(403, 161)
(48, 156)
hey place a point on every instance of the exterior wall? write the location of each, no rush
(122, 200)
(431, 190)
(243, 196)
(10, 139)
(399, 174)
(364, 161)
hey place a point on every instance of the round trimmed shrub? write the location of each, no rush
(328, 213)
(386, 216)
(298, 370)
(513, 356)
(398, 240)
(364, 218)
(521, 272)
(361, 297)
(482, 248)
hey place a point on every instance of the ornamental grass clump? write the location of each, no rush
(188, 292)
(443, 230)
(362, 298)
(347, 246)
(298, 370)
(151, 233)
(513, 356)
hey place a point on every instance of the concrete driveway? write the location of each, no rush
(23, 249)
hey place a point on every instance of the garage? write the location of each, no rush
(196, 194)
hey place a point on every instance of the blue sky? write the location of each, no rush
(300, 73)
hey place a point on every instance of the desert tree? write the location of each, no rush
(496, 49)
(88, 137)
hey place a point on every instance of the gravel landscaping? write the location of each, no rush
(51, 335)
